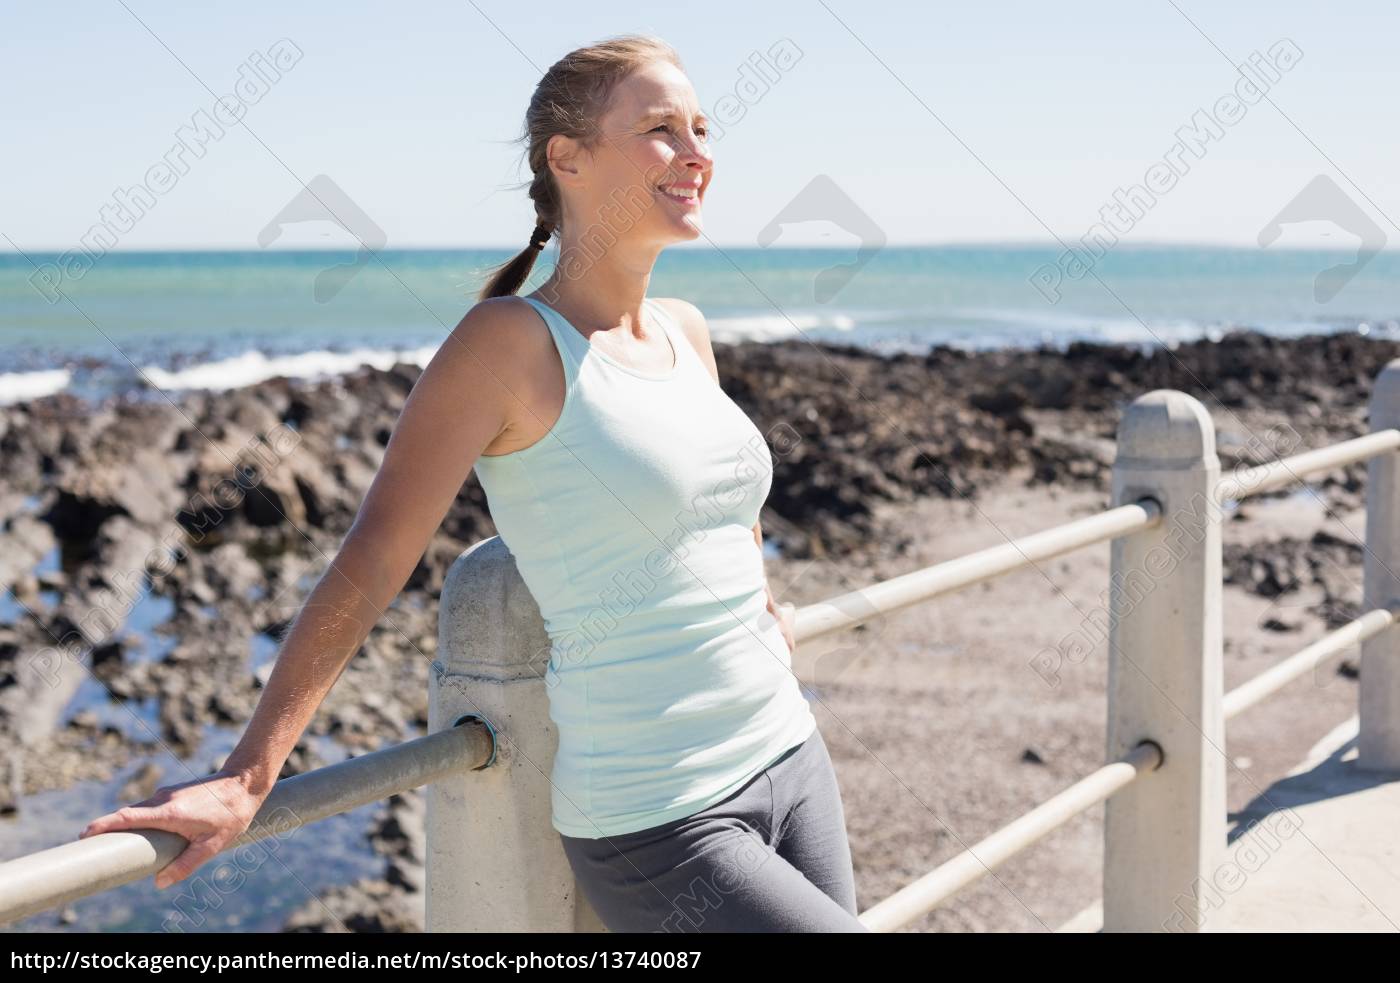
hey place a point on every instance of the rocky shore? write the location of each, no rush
(226, 507)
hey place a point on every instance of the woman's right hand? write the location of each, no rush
(209, 812)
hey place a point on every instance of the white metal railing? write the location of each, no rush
(80, 868)
(1172, 462)
(974, 863)
(1335, 642)
(494, 862)
(886, 597)
(1284, 472)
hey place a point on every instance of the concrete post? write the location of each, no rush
(494, 861)
(1378, 745)
(1164, 835)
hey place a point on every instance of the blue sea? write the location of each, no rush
(221, 319)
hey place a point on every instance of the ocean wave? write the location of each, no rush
(255, 366)
(775, 327)
(882, 332)
(16, 387)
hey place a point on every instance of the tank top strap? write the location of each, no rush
(685, 351)
(572, 346)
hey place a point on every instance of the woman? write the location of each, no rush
(691, 789)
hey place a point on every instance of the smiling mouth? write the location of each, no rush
(688, 196)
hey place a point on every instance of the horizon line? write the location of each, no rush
(511, 249)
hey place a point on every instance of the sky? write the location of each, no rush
(935, 123)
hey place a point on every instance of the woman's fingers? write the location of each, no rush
(156, 817)
(789, 622)
(209, 813)
(190, 808)
(194, 856)
(132, 817)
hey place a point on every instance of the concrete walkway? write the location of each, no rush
(1317, 851)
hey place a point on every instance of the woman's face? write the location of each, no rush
(645, 180)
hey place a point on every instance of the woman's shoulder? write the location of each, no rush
(686, 314)
(505, 329)
(502, 338)
(692, 324)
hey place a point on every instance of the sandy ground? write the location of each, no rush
(942, 731)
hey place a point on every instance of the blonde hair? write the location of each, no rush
(570, 100)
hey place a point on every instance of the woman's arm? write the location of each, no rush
(784, 614)
(462, 401)
(459, 404)
(758, 538)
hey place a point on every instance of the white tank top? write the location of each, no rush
(631, 523)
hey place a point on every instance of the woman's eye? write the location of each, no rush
(703, 131)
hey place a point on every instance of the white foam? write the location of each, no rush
(974, 329)
(774, 327)
(16, 387)
(254, 366)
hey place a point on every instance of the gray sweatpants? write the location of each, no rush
(772, 857)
